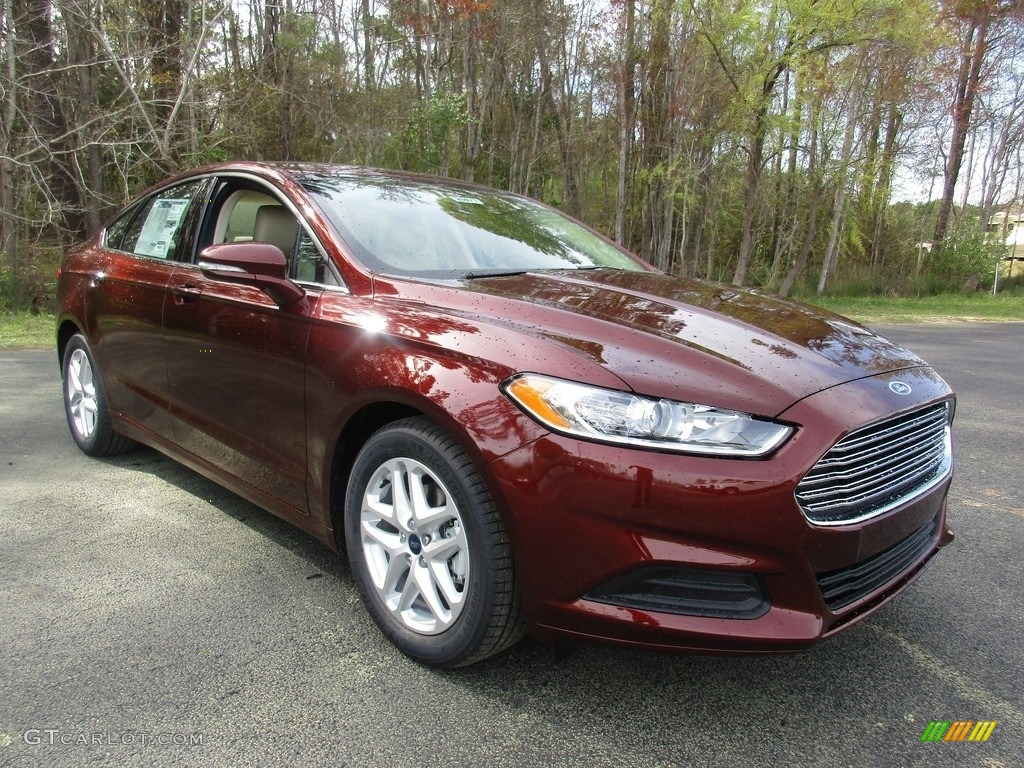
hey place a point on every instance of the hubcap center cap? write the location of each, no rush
(415, 545)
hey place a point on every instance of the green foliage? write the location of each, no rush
(34, 287)
(207, 155)
(430, 140)
(967, 258)
(526, 98)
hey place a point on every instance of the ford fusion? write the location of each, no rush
(508, 423)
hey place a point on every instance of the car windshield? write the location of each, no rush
(431, 229)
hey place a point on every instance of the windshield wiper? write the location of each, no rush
(509, 272)
(493, 273)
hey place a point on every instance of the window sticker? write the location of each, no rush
(160, 227)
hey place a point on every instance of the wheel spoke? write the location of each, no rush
(400, 493)
(417, 493)
(398, 566)
(441, 550)
(387, 539)
(429, 592)
(445, 584)
(428, 517)
(381, 484)
(75, 376)
(410, 591)
(382, 511)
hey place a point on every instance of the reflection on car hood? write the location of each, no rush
(670, 337)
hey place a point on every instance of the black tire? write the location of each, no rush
(85, 404)
(454, 543)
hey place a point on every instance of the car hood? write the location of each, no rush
(669, 337)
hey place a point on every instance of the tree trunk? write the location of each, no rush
(8, 225)
(831, 260)
(562, 120)
(369, 76)
(627, 107)
(36, 49)
(972, 55)
(818, 190)
(164, 21)
(809, 236)
(751, 188)
(884, 191)
(656, 136)
(755, 161)
(285, 55)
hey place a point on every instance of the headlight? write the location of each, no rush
(610, 416)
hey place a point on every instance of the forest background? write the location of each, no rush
(806, 147)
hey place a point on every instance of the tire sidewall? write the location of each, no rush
(460, 640)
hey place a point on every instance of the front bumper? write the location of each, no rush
(584, 517)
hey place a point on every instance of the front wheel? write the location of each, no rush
(85, 404)
(429, 553)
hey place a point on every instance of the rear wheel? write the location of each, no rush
(85, 405)
(429, 553)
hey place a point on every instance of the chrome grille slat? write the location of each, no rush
(919, 464)
(869, 435)
(924, 432)
(877, 468)
(892, 465)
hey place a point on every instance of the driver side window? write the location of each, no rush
(246, 213)
(251, 216)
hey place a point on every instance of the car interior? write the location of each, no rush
(250, 216)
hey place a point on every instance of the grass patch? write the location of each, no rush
(23, 330)
(924, 309)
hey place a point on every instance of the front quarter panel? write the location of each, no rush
(365, 352)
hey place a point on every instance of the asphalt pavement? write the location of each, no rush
(149, 617)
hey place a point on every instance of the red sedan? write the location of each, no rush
(509, 423)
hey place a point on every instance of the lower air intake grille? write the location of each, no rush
(687, 591)
(876, 468)
(848, 585)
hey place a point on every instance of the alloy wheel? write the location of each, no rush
(81, 391)
(414, 542)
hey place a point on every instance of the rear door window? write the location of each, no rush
(156, 232)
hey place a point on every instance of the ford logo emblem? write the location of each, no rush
(900, 388)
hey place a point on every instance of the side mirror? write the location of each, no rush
(260, 265)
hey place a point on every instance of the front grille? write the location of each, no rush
(848, 585)
(876, 468)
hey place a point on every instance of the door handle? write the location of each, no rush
(185, 293)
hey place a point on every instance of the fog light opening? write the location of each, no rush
(687, 592)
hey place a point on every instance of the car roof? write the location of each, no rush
(297, 171)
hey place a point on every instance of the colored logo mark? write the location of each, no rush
(958, 730)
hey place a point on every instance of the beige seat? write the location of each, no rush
(275, 224)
